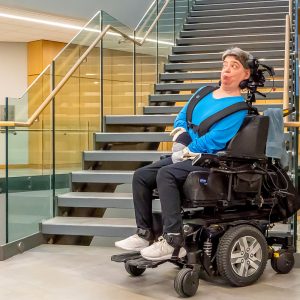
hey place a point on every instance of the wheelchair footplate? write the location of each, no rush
(135, 260)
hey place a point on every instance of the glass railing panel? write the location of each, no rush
(77, 116)
(146, 58)
(29, 164)
(21, 109)
(166, 33)
(117, 69)
(75, 48)
(181, 12)
(147, 20)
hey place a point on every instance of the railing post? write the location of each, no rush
(101, 79)
(53, 182)
(286, 65)
(134, 77)
(6, 172)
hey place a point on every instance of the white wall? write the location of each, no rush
(13, 81)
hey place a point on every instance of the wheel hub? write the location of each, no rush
(246, 256)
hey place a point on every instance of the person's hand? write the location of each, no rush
(188, 154)
(177, 156)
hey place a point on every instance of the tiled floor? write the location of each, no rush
(76, 272)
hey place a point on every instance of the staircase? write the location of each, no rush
(131, 141)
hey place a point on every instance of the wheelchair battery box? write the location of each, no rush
(247, 183)
(204, 188)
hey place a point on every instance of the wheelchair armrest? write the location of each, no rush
(206, 160)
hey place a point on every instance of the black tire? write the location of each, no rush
(230, 255)
(133, 270)
(186, 283)
(284, 263)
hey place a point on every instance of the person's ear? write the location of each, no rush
(247, 73)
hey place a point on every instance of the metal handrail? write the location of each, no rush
(60, 85)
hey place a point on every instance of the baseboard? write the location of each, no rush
(13, 248)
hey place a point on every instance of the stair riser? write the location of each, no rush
(104, 231)
(238, 4)
(195, 86)
(209, 2)
(239, 11)
(148, 110)
(122, 157)
(184, 98)
(222, 47)
(230, 32)
(125, 138)
(231, 18)
(230, 39)
(214, 66)
(217, 56)
(232, 24)
(197, 76)
(99, 178)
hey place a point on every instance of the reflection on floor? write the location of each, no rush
(86, 273)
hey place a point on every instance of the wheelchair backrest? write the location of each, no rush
(251, 139)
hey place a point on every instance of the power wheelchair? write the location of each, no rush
(228, 210)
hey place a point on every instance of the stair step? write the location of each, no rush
(121, 155)
(239, 4)
(185, 97)
(140, 120)
(175, 109)
(106, 227)
(240, 17)
(232, 31)
(217, 56)
(216, 65)
(234, 24)
(182, 76)
(232, 2)
(247, 46)
(102, 176)
(230, 39)
(238, 11)
(100, 200)
(132, 137)
(194, 86)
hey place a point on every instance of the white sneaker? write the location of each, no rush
(132, 243)
(161, 250)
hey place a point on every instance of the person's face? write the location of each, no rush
(233, 72)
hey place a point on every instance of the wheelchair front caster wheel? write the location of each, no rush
(134, 270)
(186, 283)
(282, 262)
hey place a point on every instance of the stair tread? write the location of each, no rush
(102, 172)
(96, 195)
(186, 97)
(91, 221)
(126, 151)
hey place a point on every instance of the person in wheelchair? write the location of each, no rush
(169, 174)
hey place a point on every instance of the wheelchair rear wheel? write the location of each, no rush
(242, 255)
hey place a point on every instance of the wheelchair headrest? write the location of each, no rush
(251, 139)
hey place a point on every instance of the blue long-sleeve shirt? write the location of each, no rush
(221, 132)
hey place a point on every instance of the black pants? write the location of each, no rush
(168, 178)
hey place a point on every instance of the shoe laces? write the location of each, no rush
(161, 243)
